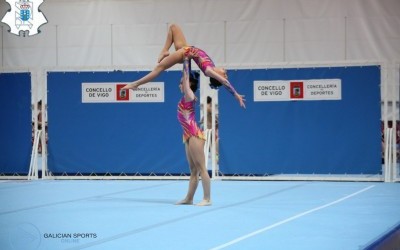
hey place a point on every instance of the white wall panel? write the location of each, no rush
(315, 39)
(138, 44)
(373, 38)
(372, 8)
(34, 51)
(84, 45)
(256, 41)
(314, 9)
(132, 32)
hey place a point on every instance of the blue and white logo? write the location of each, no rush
(25, 11)
(24, 16)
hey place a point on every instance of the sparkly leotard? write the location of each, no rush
(186, 117)
(199, 56)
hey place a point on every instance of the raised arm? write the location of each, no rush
(187, 91)
(228, 86)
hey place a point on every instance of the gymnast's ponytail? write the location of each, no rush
(194, 80)
(214, 83)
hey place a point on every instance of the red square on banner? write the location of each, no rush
(296, 90)
(122, 95)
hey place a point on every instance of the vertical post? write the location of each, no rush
(2, 46)
(203, 109)
(112, 46)
(56, 45)
(40, 84)
(33, 168)
(214, 169)
(225, 42)
(206, 91)
(36, 99)
(34, 88)
(345, 38)
(32, 174)
(33, 163)
(384, 117)
(396, 102)
(284, 40)
(388, 155)
(44, 124)
(203, 99)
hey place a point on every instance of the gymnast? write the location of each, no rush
(193, 137)
(183, 50)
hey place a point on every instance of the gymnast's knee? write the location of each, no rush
(194, 172)
(173, 26)
(160, 67)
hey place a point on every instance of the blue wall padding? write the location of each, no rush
(16, 123)
(113, 137)
(305, 137)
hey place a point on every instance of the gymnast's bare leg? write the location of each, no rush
(166, 63)
(193, 181)
(196, 151)
(166, 60)
(195, 154)
(174, 36)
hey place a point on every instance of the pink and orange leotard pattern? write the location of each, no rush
(187, 118)
(199, 56)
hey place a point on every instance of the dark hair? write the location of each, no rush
(194, 80)
(214, 83)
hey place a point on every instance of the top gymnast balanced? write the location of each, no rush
(184, 50)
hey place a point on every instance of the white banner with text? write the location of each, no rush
(298, 90)
(113, 93)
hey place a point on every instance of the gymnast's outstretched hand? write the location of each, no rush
(131, 86)
(240, 99)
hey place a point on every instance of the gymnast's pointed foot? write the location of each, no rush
(204, 203)
(184, 202)
(133, 86)
(162, 55)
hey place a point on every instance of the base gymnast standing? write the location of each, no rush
(193, 138)
(183, 50)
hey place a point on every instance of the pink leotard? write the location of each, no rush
(199, 56)
(187, 118)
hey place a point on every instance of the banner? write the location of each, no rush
(16, 124)
(109, 131)
(298, 90)
(113, 93)
(323, 120)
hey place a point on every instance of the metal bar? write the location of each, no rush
(284, 40)
(112, 47)
(345, 38)
(81, 177)
(213, 134)
(384, 78)
(388, 157)
(32, 174)
(2, 46)
(34, 104)
(57, 45)
(283, 177)
(395, 110)
(225, 41)
(44, 121)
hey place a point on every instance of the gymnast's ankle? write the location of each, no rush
(185, 202)
(205, 202)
